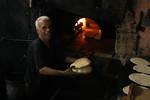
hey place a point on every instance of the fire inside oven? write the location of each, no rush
(89, 36)
(83, 35)
(86, 28)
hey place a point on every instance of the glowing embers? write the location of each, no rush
(86, 28)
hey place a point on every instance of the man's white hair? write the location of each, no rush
(41, 18)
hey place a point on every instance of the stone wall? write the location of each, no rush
(144, 36)
(125, 45)
(130, 39)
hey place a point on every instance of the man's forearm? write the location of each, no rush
(51, 72)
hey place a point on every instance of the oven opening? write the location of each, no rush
(82, 35)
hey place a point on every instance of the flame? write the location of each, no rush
(87, 28)
(83, 21)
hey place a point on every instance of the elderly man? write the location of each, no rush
(42, 70)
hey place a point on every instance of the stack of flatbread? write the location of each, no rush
(142, 78)
(81, 65)
(141, 66)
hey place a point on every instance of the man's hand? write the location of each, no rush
(69, 71)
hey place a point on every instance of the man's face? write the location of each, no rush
(44, 29)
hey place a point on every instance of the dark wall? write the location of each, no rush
(3, 17)
(15, 19)
(14, 29)
(100, 9)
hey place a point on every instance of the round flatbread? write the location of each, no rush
(140, 78)
(81, 62)
(139, 61)
(142, 68)
(83, 70)
(126, 89)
